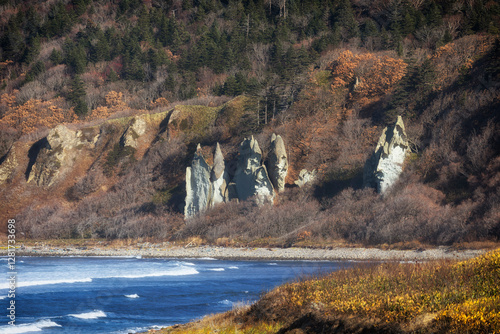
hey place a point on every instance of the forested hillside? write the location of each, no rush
(327, 76)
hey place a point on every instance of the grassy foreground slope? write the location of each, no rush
(432, 297)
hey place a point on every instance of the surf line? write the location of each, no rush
(11, 263)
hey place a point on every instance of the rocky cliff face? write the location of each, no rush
(278, 162)
(58, 153)
(135, 130)
(8, 165)
(386, 163)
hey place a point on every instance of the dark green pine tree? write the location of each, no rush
(345, 21)
(75, 57)
(37, 69)
(112, 76)
(144, 29)
(80, 6)
(100, 50)
(369, 30)
(409, 23)
(12, 42)
(77, 96)
(433, 16)
(32, 50)
(59, 21)
(56, 56)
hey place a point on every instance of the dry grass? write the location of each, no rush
(434, 297)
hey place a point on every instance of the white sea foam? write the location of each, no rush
(89, 315)
(216, 269)
(176, 272)
(234, 267)
(3, 297)
(226, 302)
(28, 328)
(48, 282)
(272, 264)
(135, 295)
(141, 329)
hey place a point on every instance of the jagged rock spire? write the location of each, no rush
(219, 178)
(278, 162)
(386, 163)
(198, 185)
(251, 177)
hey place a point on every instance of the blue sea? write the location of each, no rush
(131, 295)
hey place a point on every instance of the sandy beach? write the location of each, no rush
(247, 253)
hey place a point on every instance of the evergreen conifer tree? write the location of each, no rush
(77, 96)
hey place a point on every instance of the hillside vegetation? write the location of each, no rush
(327, 76)
(432, 297)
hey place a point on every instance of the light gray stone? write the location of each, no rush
(385, 165)
(251, 178)
(278, 163)
(305, 177)
(219, 178)
(135, 130)
(58, 154)
(198, 185)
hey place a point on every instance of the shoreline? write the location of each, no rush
(251, 253)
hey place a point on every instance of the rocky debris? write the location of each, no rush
(251, 177)
(136, 129)
(219, 178)
(278, 163)
(198, 185)
(386, 163)
(58, 153)
(305, 177)
(8, 165)
(166, 250)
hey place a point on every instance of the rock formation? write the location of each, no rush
(198, 185)
(277, 163)
(305, 177)
(207, 186)
(251, 177)
(58, 152)
(8, 165)
(386, 163)
(136, 129)
(219, 178)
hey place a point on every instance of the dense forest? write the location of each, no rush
(327, 75)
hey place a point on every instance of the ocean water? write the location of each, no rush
(131, 295)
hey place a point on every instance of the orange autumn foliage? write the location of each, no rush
(34, 113)
(114, 103)
(458, 57)
(376, 75)
(159, 103)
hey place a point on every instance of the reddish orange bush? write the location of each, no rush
(34, 113)
(114, 103)
(371, 74)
